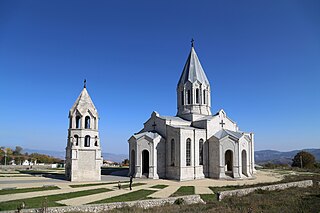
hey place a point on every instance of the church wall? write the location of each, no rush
(187, 172)
(160, 158)
(173, 171)
(214, 158)
(156, 124)
(143, 144)
(194, 171)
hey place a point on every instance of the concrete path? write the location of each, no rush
(101, 196)
(166, 192)
(202, 190)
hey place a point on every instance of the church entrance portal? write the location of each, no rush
(133, 163)
(145, 163)
(229, 163)
(244, 162)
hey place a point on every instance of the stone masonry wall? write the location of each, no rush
(242, 192)
(190, 199)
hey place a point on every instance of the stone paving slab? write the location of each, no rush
(166, 192)
(202, 190)
(101, 196)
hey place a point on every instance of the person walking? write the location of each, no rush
(130, 185)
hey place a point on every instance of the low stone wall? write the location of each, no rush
(242, 192)
(24, 167)
(190, 199)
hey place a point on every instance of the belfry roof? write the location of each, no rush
(192, 70)
(84, 103)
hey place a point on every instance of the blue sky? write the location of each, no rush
(262, 59)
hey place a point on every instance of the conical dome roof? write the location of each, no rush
(192, 70)
(84, 103)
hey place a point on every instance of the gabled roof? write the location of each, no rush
(84, 103)
(225, 132)
(192, 70)
(151, 135)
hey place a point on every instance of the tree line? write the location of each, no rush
(7, 155)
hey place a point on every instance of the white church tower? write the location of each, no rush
(83, 151)
(193, 90)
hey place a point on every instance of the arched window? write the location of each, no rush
(201, 151)
(173, 151)
(76, 140)
(182, 98)
(87, 122)
(204, 97)
(188, 152)
(87, 141)
(189, 96)
(78, 118)
(96, 141)
(197, 96)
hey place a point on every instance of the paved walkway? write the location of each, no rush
(101, 196)
(201, 187)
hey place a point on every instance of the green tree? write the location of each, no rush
(303, 159)
(18, 150)
(125, 162)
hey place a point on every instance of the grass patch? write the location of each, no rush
(133, 185)
(35, 189)
(159, 186)
(209, 198)
(38, 202)
(132, 196)
(184, 190)
(94, 184)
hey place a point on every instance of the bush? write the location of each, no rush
(179, 201)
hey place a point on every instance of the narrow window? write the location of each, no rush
(76, 140)
(78, 118)
(189, 97)
(201, 151)
(96, 141)
(204, 97)
(188, 152)
(87, 141)
(87, 122)
(182, 98)
(173, 151)
(197, 96)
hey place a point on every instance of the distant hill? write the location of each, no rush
(261, 157)
(277, 157)
(61, 154)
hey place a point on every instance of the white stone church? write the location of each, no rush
(194, 144)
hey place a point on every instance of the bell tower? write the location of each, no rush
(193, 89)
(83, 151)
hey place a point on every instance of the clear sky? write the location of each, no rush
(262, 59)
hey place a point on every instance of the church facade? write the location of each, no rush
(195, 143)
(83, 151)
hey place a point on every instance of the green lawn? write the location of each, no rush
(35, 189)
(184, 190)
(95, 184)
(159, 186)
(136, 195)
(38, 202)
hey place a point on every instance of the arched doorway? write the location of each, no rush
(228, 163)
(244, 162)
(145, 163)
(133, 163)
